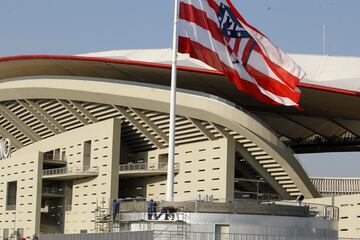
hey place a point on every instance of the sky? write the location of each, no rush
(81, 26)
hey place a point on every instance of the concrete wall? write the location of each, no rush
(25, 166)
(349, 213)
(256, 226)
(90, 192)
(300, 227)
(206, 168)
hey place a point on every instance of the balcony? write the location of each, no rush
(144, 169)
(53, 192)
(70, 173)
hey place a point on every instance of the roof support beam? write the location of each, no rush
(73, 111)
(260, 170)
(140, 127)
(19, 124)
(202, 128)
(42, 116)
(344, 127)
(152, 125)
(221, 130)
(14, 142)
(85, 112)
(303, 125)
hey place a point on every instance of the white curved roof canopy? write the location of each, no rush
(328, 71)
(328, 122)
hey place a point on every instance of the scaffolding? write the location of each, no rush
(176, 222)
(104, 220)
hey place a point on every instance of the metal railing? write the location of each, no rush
(176, 235)
(70, 170)
(52, 157)
(146, 167)
(238, 206)
(316, 210)
(134, 235)
(54, 191)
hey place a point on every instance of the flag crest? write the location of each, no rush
(214, 32)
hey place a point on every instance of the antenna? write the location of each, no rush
(324, 40)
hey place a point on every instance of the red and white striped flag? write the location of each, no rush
(214, 32)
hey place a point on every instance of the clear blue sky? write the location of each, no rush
(69, 27)
(80, 26)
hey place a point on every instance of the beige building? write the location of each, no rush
(342, 193)
(88, 129)
(349, 213)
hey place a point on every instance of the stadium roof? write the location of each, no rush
(336, 186)
(330, 92)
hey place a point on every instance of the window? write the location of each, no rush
(163, 160)
(87, 153)
(63, 155)
(11, 195)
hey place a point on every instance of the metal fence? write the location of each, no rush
(316, 210)
(214, 236)
(141, 235)
(180, 235)
(173, 235)
(54, 191)
(229, 236)
(267, 208)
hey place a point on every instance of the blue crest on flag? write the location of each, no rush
(229, 24)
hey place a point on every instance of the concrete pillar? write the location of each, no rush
(230, 170)
(116, 142)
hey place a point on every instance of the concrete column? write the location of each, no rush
(230, 169)
(38, 187)
(116, 142)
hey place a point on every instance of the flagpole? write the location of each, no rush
(171, 152)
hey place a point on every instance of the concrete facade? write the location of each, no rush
(87, 152)
(74, 210)
(349, 213)
(204, 169)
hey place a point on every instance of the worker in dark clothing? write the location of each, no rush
(168, 211)
(115, 208)
(154, 209)
(150, 209)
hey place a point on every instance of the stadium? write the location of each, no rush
(80, 131)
